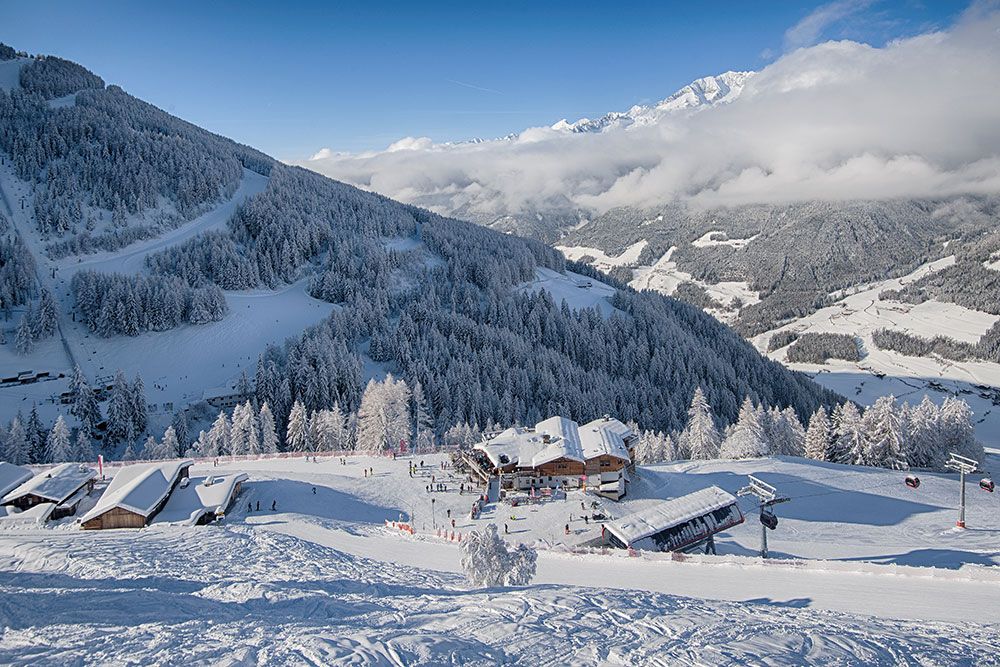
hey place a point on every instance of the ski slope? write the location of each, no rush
(177, 366)
(321, 580)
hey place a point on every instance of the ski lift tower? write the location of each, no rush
(768, 496)
(963, 466)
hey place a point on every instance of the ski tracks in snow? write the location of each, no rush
(241, 594)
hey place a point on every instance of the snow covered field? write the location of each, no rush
(321, 580)
(664, 276)
(576, 290)
(908, 378)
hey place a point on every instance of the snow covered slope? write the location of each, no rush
(321, 581)
(861, 311)
(177, 365)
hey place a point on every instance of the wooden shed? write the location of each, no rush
(136, 494)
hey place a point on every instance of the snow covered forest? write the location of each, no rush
(392, 415)
(115, 304)
(438, 306)
(107, 156)
(446, 312)
(818, 347)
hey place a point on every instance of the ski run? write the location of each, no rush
(860, 566)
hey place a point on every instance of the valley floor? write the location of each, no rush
(322, 580)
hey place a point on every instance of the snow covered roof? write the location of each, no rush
(597, 441)
(556, 438)
(613, 425)
(56, 484)
(11, 477)
(139, 488)
(202, 495)
(669, 513)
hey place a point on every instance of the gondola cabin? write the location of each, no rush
(679, 524)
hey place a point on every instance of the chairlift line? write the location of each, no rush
(768, 496)
(964, 466)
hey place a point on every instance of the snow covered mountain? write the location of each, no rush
(210, 270)
(702, 93)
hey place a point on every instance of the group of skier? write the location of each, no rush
(274, 506)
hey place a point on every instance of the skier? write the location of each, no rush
(567, 529)
(249, 508)
(314, 490)
(505, 529)
(274, 505)
(452, 523)
(449, 513)
(258, 505)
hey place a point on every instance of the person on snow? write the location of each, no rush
(249, 508)
(258, 505)
(314, 490)
(452, 523)
(505, 529)
(567, 529)
(274, 505)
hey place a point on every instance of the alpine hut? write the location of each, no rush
(136, 494)
(62, 486)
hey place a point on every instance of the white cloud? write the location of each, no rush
(322, 154)
(840, 120)
(810, 29)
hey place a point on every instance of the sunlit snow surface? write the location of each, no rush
(321, 581)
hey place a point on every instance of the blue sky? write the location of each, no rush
(290, 78)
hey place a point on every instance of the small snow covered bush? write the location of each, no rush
(488, 562)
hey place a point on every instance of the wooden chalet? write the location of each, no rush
(136, 494)
(62, 486)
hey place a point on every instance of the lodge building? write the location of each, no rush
(559, 452)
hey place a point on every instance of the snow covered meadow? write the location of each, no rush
(323, 580)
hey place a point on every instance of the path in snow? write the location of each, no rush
(131, 259)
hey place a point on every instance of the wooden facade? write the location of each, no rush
(29, 500)
(562, 467)
(119, 517)
(604, 463)
(116, 517)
